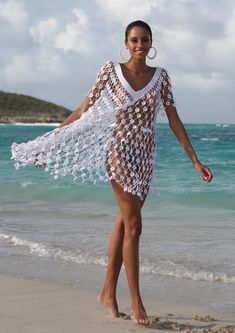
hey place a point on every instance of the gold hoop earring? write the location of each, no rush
(121, 55)
(155, 53)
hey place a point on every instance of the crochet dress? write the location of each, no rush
(114, 139)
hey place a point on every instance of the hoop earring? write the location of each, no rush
(121, 55)
(155, 53)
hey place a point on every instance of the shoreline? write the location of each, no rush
(217, 124)
(31, 124)
(30, 305)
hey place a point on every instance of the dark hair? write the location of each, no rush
(138, 23)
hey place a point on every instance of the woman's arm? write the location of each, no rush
(92, 96)
(76, 114)
(178, 129)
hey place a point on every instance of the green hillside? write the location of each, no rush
(26, 109)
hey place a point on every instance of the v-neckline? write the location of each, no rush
(127, 85)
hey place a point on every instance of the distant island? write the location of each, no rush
(17, 108)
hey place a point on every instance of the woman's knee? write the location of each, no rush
(133, 227)
(119, 223)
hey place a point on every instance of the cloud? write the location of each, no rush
(76, 35)
(197, 45)
(180, 47)
(13, 12)
(28, 68)
(221, 51)
(200, 82)
(19, 70)
(195, 16)
(44, 30)
(53, 50)
(125, 11)
(45, 60)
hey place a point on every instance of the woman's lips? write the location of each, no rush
(139, 51)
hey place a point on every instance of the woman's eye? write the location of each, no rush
(143, 40)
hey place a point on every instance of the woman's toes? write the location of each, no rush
(140, 319)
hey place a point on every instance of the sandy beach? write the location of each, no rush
(28, 305)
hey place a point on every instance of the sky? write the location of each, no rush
(53, 49)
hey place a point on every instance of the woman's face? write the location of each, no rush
(138, 42)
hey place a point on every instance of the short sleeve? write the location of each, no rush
(101, 81)
(166, 90)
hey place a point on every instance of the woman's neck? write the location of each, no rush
(137, 67)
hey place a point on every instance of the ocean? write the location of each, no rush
(58, 230)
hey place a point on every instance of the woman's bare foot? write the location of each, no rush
(110, 304)
(139, 316)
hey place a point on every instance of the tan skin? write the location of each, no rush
(124, 244)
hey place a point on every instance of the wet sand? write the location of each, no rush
(28, 305)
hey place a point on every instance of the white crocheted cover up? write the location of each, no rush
(114, 139)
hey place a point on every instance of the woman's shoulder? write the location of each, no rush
(107, 67)
(108, 64)
(164, 71)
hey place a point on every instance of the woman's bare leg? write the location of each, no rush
(108, 295)
(130, 208)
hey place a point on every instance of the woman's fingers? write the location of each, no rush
(204, 171)
(206, 174)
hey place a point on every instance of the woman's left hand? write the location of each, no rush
(204, 171)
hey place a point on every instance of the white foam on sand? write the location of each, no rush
(43, 250)
(78, 256)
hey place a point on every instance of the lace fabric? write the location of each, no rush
(114, 139)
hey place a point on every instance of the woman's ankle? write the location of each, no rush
(108, 292)
(137, 303)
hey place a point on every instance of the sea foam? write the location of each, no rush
(164, 268)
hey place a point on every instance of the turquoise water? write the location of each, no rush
(174, 176)
(59, 230)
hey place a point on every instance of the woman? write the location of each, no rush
(112, 136)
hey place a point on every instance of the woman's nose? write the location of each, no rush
(140, 43)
